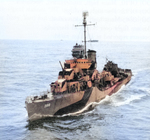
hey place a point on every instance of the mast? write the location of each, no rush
(84, 24)
(85, 14)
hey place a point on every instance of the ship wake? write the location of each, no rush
(128, 100)
(112, 100)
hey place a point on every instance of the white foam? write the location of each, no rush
(148, 90)
(139, 70)
(145, 89)
(129, 100)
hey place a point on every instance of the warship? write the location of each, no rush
(79, 84)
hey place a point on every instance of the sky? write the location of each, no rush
(115, 20)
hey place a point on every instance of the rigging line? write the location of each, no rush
(79, 37)
(89, 38)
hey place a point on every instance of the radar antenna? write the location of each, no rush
(85, 14)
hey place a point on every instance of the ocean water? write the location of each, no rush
(28, 67)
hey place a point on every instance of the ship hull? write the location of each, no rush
(71, 102)
(97, 95)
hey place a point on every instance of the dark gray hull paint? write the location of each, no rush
(76, 106)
